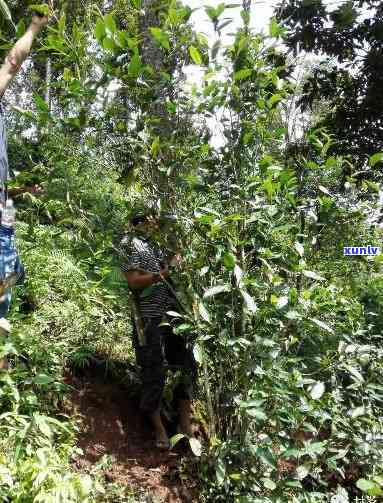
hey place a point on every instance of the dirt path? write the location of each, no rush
(113, 426)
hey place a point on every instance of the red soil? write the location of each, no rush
(113, 425)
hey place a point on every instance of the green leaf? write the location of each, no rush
(198, 354)
(20, 29)
(299, 247)
(155, 147)
(67, 74)
(374, 159)
(173, 16)
(243, 74)
(42, 425)
(257, 414)
(136, 3)
(224, 24)
(215, 49)
(195, 446)
(134, 67)
(123, 39)
(8, 349)
(247, 138)
(302, 472)
(175, 439)
(202, 40)
(184, 327)
(215, 290)
(211, 12)
(369, 487)
(357, 412)
(317, 390)
(293, 483)
(109, 44)
(313, 275)
(99, 30)
(195, 55)
(6, 12)
(275, 98)
(266, 456)
(321, 324)
(274, 29)
(110, 23)
(250, 302)
(229, 260)
(161, 37)
(42, 9)
(220, 472)
(203, 312)
(269, 484)
(324, 190)
(174, 314)
(42, 107)
(43, 379)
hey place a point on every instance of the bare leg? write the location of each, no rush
(4, 365)
(185, 418)
(5, 328)
(159, 428)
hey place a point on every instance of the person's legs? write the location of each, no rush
(7, 259)
(180, 357)
(150, 357)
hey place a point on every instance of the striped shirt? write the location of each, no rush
(142, 254)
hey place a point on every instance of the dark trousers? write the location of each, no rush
(163, 350)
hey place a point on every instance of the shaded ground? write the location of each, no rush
(113, 426)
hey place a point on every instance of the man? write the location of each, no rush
(9, 262)
(146, 267)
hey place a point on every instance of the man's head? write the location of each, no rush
(144, 223)
(150, 223)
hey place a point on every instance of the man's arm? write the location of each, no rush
(19, 53)
(138, 280)
(31, 189)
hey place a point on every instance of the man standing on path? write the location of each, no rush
(9, 261)
(146, 267)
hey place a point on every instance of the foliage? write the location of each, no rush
(349, 35)
(285, 329)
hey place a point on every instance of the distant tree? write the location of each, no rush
(351, 80)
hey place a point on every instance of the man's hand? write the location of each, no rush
(36, 190)
(38, 22)
(20, 52)
(164, 273)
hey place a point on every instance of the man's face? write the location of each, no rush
(149, 227)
